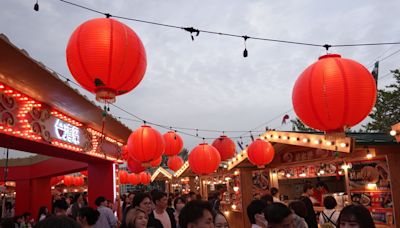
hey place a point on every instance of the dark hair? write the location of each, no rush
(255, 207)
(299, 208)
(7, 223)
(192, 212)
(357, 213)
(90, 214)
(330, 202)
(158, 196)
(198, 197)
(76, 197)
(190, 194)
(219, 213)
(275, 213)
(176, 201)
(306, 187)
(99, 200)
(267, 199)
(139, 198)
(273, 191)
(57, 221)
(42, 210)
(61, 204)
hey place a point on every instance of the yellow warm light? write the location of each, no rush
(393, 132)
(305, 140)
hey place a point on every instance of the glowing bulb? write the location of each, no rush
(285, 137)
(226, 212)
(343, 144)
(317, 141)
(322, 172)
(369, 155)
(340, 172)
(371, 186)
(302, 175)
(233, 206)
(393, 132)
(305, 140)
(235, 188)
(288, 175)
(329, 143)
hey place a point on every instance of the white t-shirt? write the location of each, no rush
(329, 213)
(164, 218)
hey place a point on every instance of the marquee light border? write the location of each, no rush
(180, 171)
(395, 132)
(159, 171)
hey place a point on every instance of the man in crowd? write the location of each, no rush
(255, 212)
(167, 218)
(106, 219)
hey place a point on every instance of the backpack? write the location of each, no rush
(328, 223)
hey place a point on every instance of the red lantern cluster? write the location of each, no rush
(173, 143)
(260, 152)
(334, 93)
(134, 179)
(156, 163)
(68, 180)
(225, 146)
(106, 57)
(204, 159)
(125, 154)
(175, 163)
(85, 173)
(78, 181)
(123, 177)
(145, 178)
(55, 180)
(135, 166)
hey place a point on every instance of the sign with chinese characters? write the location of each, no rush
(66, 132)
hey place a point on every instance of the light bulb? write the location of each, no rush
(393, 132)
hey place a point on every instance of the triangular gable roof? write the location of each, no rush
(162, 171)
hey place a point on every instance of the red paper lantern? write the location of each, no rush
(334, 93)
(106, 57)
(135, 166)
(125, 153)
(145, 178)
(204, 159)
(175, 163)
(134, 179)
(68, 180)
(260, 152)
(55, 180)
(85, 173)
(123, 177)
(157, 162)
(145, 144)
(225, 146)
(173, 143)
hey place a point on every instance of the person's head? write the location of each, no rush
(26, 216)
(355, 216)
(69, 200)
(8, 205)
(142, 200)
(267, 199)
(255, 212)
(78, 198)
(160, 199)
(135, 217)
(179, 203)
(88, 216)
(308, 189)
(299, 208)
(274, 192)
(220, 220)
(42, 211)
(196, 214)
(100, 201)
(58, 221)
(130, 197)
(191, 196)
(321, 185)
(60, 207)
(278, 215)
(330, 202)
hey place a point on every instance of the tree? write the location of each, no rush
(387, 108)
(297, 125)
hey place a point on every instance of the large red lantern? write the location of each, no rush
(68, 180)
(145, 144)
(260, 152)
(134, 179)
(135, 166)
(106, 57)
(123, 177)
(173, 143)
(225, 146)
(204, 159)
(125, 154)
(175, 163)
(157, 162)
(334, 93)
(145, 178)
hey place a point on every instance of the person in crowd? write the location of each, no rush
(300, 213)
(196, 214)
(179, 203)
(220, 220)
(106, 218)
(267, 199)
(215, 200)
(355, 216)
(278, 215)
(320, 190)
(78, 203)
(255, 212)
(135, 218)
(43, 213)
(128, 200)
(275, 195)
(60, 207)
(58, 221)
(87, 217)
(311, 217)
(166, 217)
(9, 211)
(7, 223)
(199, 197)
(329, 215)
(143, 202)
(191, 196)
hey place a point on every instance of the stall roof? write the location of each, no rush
(165, 172)
(20, 71)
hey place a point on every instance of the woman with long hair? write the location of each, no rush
(43, 213)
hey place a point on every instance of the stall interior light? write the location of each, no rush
(226, 213)
(235, 188)
(322, 172)
(302, 175)
(234, 206)
(369, 154)
(288, 175)
(371, 186)
(236, 173)
(393, 132)
(340, 172)
(345, 166)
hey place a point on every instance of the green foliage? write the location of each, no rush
(297, 125)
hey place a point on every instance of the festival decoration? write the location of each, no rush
(145, 178)
(68, 180)
(204, 159)
(225, 146)
(106, 57)
(135, 166)
(134, 179)
(260, 152)
(173, 143)
(334, 94)
(123, 177)
(125, 153)
(85, 173)
(155, 163)
(175, 163)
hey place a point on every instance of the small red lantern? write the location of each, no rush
(134, 179)
(68, 180)
(106, 57)
(225, 146)
(135, 166)
(85, 173)
(157, 162)
(145, 178)
(175, 163)
(145, 144)
(204, 159)
(55, 180)
(123, 177)
(125, 153)
(173, 143)
(260, 152)
(334, 94)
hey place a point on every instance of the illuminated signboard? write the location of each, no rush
(67, 132)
